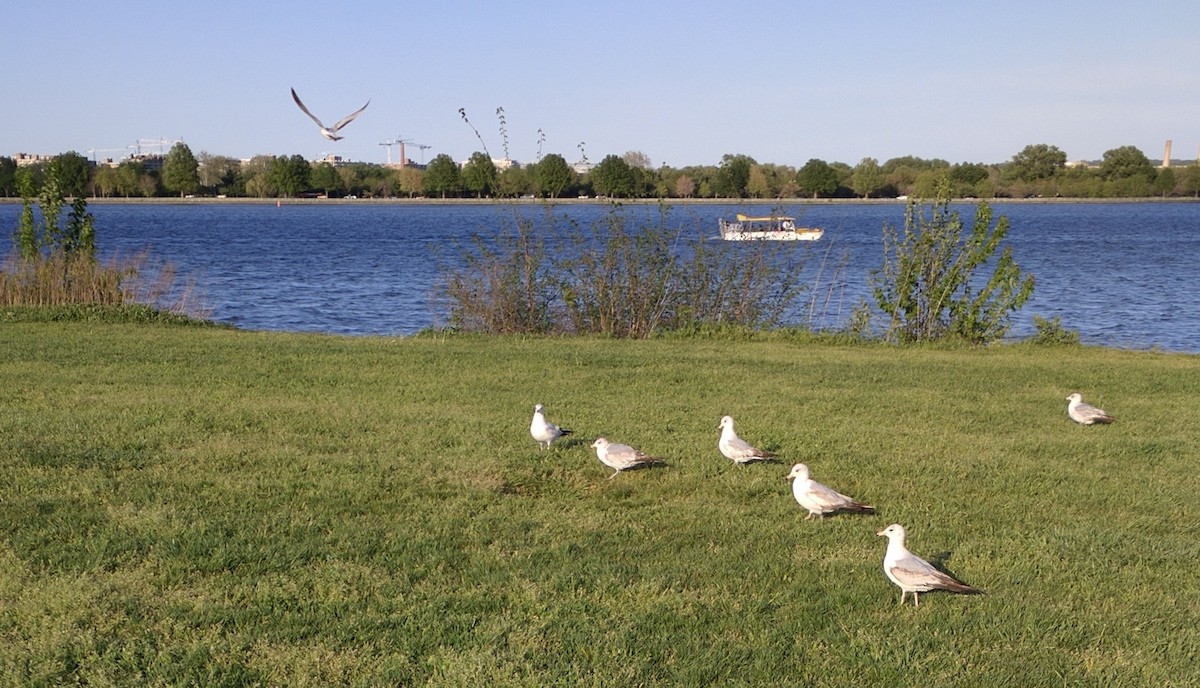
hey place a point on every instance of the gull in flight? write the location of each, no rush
(735, 448)
(329, 132)
(543, 430)
(820, 499)
(1086, 414)
(621, 457)
(914, 574)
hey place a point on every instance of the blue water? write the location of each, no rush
(1122, 274)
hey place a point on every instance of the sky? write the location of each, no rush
(685, 83)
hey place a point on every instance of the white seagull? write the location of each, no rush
(1086, 413)
(820, 499)
(914, 574)
(329, 132)
(620, 457)
(735, 448)
(543, 430)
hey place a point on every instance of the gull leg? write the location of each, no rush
(916, 600)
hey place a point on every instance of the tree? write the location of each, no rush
(8, 176)
(129, 174)
(613, 177)
(1038, 161)
(553, 175)
(324, 177)
(72, 173)
(479, 174)
(637, 159)
(180, 170)
(514, 181)
(1191, 179)
(685, 186)
(217, 172)
(928, 286)
(1164, 182)
(289, 175)
(411, 180)
(442, 177)
(757, 184)
(817, 178)
(867, 177)
(1125, 162)
(733, 174)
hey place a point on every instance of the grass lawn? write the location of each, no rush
(202, 506)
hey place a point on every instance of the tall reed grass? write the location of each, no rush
(64, 279)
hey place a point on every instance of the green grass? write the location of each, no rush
(203, 506)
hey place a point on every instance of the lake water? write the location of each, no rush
(1122, 274)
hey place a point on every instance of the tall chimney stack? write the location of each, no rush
(1167, 154)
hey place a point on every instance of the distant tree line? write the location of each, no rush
(1037, 170)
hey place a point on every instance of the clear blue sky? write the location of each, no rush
(682, 82)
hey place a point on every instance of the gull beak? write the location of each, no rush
(881, 533)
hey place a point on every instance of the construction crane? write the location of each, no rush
(160, 142)
(389, 143)
(423, 148)
(93, 151)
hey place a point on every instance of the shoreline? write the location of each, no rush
(211, 200)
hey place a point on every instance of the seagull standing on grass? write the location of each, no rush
(543, 430)
(820, 499)
(621, 457)
(1086, 414)
(914, 574)
(735, 448)
(329, 132)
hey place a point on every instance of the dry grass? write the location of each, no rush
(62, 279)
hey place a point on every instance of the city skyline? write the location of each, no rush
(684, 84)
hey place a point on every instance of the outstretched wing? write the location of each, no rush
(314, 117)
(349, 118)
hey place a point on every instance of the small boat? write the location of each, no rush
(774, 228)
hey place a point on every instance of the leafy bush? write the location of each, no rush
(617, 281)
(927, 285)
(1052, 333)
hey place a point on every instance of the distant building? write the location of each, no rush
(27, 159)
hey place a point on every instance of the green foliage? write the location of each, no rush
(76, 238)
(1125, 162)
(506, 289)
(817, 179)
(479, 174)
(617, 281)
(8, 176)
(613, 177)
(927, 286)
(180, 171)
(442, 177)
(733, 175)
(361, 511)
(553, 176)
(867, 177)
(1050, 332)
(1038, 161)
(289, 175)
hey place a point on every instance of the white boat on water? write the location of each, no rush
(773, 228)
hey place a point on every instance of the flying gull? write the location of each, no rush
(1086, 413)
(820, 499)
(914, 574)
(621, 457)
(735, 448)
(329, 132)
(543, 430)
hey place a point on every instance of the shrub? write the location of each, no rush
(618, 281)
(1052, 333)
(928, 287)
